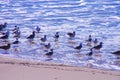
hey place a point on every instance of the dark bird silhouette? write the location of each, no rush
(16, 28)
(44, 38)
(78, 47)
(56, 35)
(31, 36)
(47, 46)
(116, 52)
(98, 46)
(5, 47)
(5, 25)
(50, 53)
(37, 29)
(95, 41)
(89, 39)
(16, 41)
(90, 53)
(71, 35)
(17, 33)
(5, 35)
(2, 26)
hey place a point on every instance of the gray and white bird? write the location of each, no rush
(116, 52)
(78, 47)
(49, 53)
(37, 29)
(71, 34)
(43, 39)
(47, 46)
(98, 47)
(56, 36)
(31, 36)
(90, 53)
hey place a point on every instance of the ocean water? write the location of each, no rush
(100, 18)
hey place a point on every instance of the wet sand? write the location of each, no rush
(20, 69)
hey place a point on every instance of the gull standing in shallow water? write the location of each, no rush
(49, 53)
(116, 52)
(71, 35)
(2, 26)
(16, 41)
(89, 40)
(17, 34)
(47, 46)
(98, 47)
(95, 41)
(43, 39)
(5, 35)
(90, 53)
(6, 47)
(78, 47)
(16, 28)
(37, 29)
(56, 36)
(31, 36)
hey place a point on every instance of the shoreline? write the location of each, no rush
(21, 65)
(46, 63)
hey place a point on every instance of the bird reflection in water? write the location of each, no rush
(16, 49)
(31, 42)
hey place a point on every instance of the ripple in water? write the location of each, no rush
(99, 18)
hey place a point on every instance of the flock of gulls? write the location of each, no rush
(4, 36)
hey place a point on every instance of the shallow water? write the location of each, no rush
(100, 18)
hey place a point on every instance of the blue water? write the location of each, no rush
(100, 18)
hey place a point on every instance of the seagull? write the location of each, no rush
(44, 38)
(16, 28)
(56, 35)
(5, 36)
(31, 36)
(17, 33)
(37, 29)
(116, 52)
(90, 53)
(95, 41)
(5, 47)
(71, 35)
(16, 41)
(78, 47)
(3, 26)
(49, 53)
(47, 46)
(98, 46)
(89, 39)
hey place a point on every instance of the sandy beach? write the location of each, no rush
(17, 69)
